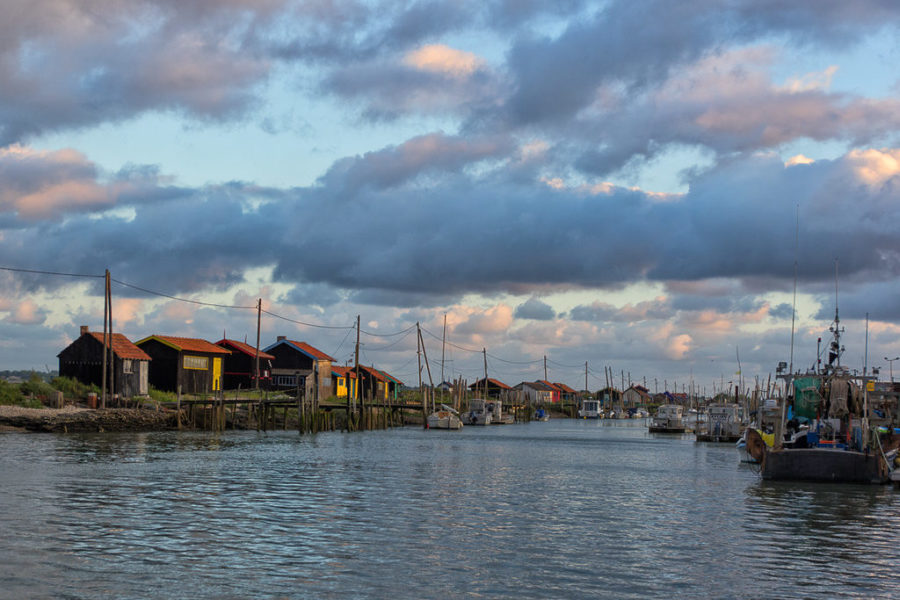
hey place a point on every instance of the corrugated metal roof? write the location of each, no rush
(122, 346)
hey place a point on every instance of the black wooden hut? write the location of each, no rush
(240, 365)
(194, 364)
(83, 360)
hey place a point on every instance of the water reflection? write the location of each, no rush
(574, 509)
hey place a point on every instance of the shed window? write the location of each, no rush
(196, 362)
(126, 365)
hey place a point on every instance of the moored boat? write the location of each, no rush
(722, 424)
(840, 443)
(444, 418)
(668, 419)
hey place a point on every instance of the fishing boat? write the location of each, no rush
(590, 409)
(481, 412)
(668, 419)
(722, 424)
(841, 442)
(444, 418)
(541, 415)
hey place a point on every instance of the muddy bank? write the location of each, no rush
(74, 420)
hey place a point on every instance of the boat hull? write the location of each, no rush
(823, 464)
(664, 429)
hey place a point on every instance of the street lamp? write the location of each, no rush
(891, 363)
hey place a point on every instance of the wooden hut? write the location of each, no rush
(300, 365)
(194, 364)
(240, 366)
(535, 392)
(344, 382)
(495, 387)
(83, 360)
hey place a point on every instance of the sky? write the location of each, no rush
(640, 185)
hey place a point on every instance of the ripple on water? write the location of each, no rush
(573, 509)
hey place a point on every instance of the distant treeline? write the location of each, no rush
(25, 375)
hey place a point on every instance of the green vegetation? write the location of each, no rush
(37, 387)
(72, 388)
(10, 393)
(161, 396)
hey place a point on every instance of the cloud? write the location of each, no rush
(439, 58)
(492, 320)
(26, 312)
(407, 220)
(535, 309)
(90, 65)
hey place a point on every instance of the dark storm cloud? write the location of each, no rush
(535, 309)
(489, 233)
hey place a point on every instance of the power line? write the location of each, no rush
(271, 314)
(199, 302)
(407, 330)
(37, 272)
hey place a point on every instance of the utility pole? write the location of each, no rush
(258, 323)
(443, 348)
(356, 363)
(484, 351)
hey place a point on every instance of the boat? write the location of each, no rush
(722, 424)
(590, 409)
(541, 415)
(668, 419)
(444, 418)
(841, 442)
(487, 412)
(694, 420)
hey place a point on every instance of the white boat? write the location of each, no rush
(486, 412)
(694, 420)
(590, 409)
(668, 419)
(444, 418)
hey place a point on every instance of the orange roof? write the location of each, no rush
(122, 346)
(344, 371)
(245, 348)
(311, 350)
(183, 344)
(565, 388)
(373, 372)
(491, 381)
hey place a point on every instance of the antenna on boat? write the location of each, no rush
(835, 349)
(794, 305)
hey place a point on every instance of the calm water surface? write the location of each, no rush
(563, 509)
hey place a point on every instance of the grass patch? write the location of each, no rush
(72, 388)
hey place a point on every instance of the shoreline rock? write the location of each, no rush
(79, 420)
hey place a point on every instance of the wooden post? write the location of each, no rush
(178, 406)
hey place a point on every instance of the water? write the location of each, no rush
(563, 509)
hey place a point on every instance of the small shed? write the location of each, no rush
(495, 387)
(636, 395)
(536, 393)
(344, 382)
(83, 360)
(300, 365)
(240, 365)
(194, 364)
